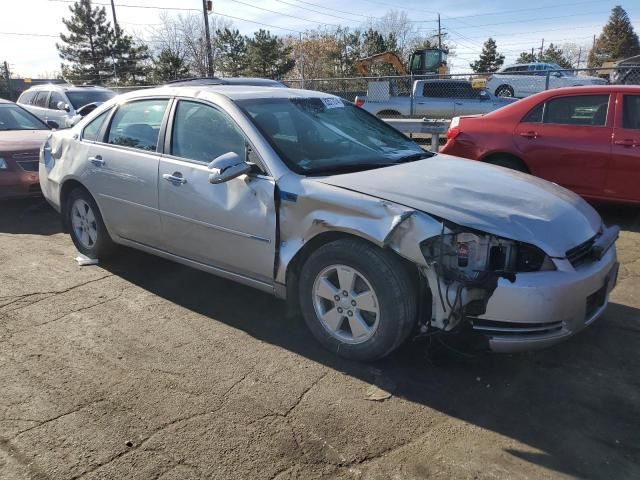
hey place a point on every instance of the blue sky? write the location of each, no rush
(516, 26)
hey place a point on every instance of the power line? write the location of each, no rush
(335, 9)
(316, 11)
(283, 14)
(120, 5)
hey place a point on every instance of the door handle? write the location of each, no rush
(529, 134)
(627, 142)
(97, 160)
(176, 177)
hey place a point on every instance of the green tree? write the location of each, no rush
(555, 54)
(130, 61)
(87, 48)
(230, 50)
(373, 42)
(169, 66)
(618, 39)
(94, 52)
(268, 56)
(527, 57)
(490, 60)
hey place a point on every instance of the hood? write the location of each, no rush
(22, 140)
(491, 199)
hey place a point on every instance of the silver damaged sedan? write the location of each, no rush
(306, 196)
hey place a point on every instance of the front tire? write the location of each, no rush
(509, 162)
(357, 299)
(504, 91)
(86, 226)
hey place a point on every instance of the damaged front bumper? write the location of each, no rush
(541, 309)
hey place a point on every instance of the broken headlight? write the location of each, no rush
(531, 259)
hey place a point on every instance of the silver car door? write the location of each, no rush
(122, 170)
(230, 226)
(54, 113)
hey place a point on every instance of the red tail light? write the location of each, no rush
(453, 133)
(359, 101)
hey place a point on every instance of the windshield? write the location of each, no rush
(80, 98)
(13, 117)
(314, 135)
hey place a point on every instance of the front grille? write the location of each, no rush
(28, 165)
(580, 254)
(492, 327)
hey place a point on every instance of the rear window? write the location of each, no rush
(437, 90)
(577, 110)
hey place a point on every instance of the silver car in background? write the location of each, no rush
(63, 104)
(302, 195)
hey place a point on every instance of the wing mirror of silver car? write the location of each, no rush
(63, 106)
(227, 167)
(52, 124)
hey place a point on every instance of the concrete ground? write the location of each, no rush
(140, 368)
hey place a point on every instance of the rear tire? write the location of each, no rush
(357, 299)
(86, 226)
(504, 91)
(509, 162)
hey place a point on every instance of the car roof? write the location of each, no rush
(66, 87)
(592, 89)
(233, 92)
(266, 82)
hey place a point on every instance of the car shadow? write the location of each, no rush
(575, 404)
(29, 216)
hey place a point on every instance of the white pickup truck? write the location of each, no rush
(437, 99)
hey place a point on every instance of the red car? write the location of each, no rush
(21, 136)
(586, 139)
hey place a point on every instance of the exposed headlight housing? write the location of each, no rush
(3, 164)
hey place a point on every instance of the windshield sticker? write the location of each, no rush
(332, 102)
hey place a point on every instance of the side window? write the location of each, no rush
(27, 97)
(534, 115)
(41, 99)
(137, 124)
(92, 130)
(631, 112)
(435, 89)
(202, 133)
(577, 110)
(464, 90)
(54, 98)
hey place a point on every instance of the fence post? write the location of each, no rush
(411, 96)
(546, 80)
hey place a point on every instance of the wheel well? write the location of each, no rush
(293, 268)
(506, 156)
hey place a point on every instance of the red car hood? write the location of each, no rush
(22, 140)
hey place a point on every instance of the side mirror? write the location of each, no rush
(227, 167)
(557, 74)
(63, 106)
(53, 125)
(88, 108)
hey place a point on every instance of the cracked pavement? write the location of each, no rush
(139, 368)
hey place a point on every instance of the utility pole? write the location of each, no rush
(208, 39)
(579, 57)
(301, 60)
(439, 34)
(115, 20)
(541, 48)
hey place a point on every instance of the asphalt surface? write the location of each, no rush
(140, 368)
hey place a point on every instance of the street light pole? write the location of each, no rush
(208, 39)
(115, 20)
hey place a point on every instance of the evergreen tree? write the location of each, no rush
(618, 40)
(268, 56)
(169, 66)
(87, 48)
(93, 52)
(527, 57)
(373, 42)
(230, 52)
(490, 60)
(554, 54)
